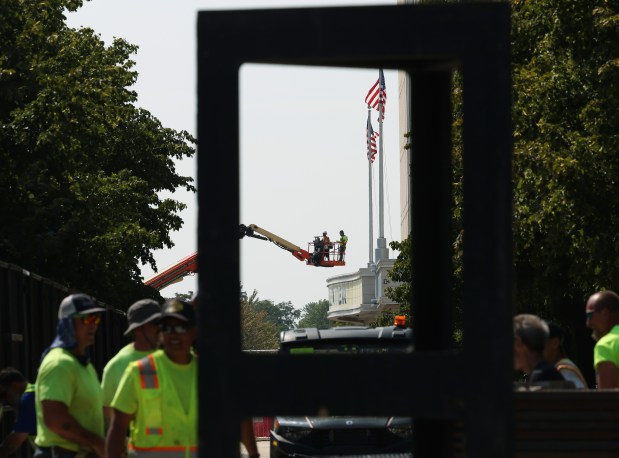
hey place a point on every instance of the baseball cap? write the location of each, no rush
(177, 308)
(77, 303)
(142, 312)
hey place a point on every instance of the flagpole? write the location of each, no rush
(381, 213)
(371, 231)
(381, 252)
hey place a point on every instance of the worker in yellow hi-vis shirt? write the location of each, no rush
(142, 317)
(68, 396)
(157, 395)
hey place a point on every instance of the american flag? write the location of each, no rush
(371, 140)
(377, 95)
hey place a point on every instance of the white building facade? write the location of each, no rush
(359, 297)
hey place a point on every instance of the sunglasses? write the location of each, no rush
(176, 329)
(590, 313)
(89, 319)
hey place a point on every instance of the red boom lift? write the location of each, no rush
(320, 256)
(175, 273)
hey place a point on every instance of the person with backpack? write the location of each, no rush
(555, 354)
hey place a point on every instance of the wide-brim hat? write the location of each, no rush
(177, 308)
(142, 312)
(81, 304)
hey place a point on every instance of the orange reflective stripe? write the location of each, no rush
(162, 449)
(148, 373)
(154, 431)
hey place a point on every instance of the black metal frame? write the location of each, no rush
(433, 384)
(28, 317)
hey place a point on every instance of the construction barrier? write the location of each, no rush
(262, 427)
(28, 317)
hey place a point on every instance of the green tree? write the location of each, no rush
(82, 167)
(257, 332)
(565, 71)
(283, 315)
(566, 113)
(400, 272)
(184, 296)
(314, 315)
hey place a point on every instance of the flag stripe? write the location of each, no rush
(377, 95)
(371, 140)
(372, 98)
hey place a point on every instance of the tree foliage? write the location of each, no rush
(566, 117)
(401, 272)
(263, 320)
(257, 332)
(283, 315)
(401, 293)
(82, 166)
(565, 68)
(314, 315)
(188, 296)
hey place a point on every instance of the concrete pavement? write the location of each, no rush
(263, 449)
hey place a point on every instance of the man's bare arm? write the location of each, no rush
(58, 419)
(606, 373)
(115, 439)
(107, 416)
(248, 438)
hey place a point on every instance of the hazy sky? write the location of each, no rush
(304, 166)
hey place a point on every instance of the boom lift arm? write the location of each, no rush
(174, 273)
(189, 265)
(318, 258)
(297, 251)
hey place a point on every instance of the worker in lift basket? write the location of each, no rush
(326, 245)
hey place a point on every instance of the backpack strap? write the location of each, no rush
(573, 369)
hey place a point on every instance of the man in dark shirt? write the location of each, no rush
(19, 394)
(530, 336)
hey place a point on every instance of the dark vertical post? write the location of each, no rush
(431, 234)
(219, 333)
(488, 335)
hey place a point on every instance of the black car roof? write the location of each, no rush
(353, 333)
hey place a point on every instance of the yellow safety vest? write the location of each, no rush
(149, 438)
